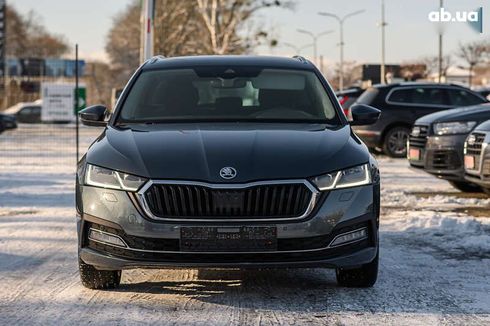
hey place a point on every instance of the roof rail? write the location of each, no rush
(156, 58)
(457, 85)
(300, 58)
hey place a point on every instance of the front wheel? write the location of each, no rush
(93, 278)
(363, 277)
(465, 186)
(395, 142)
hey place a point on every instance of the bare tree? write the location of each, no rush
(352, 74)
(412, 71)
(432, 64)
(186, 28)
(27, 37)
(123, 42)
(99, 81)
(178, 29)
(474, 54)
(223, 18)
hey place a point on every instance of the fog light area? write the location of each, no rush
(346, 238)
(104, 237)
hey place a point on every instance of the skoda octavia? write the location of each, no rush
(227, 162)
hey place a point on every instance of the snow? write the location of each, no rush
(448, 231)
(434, 258)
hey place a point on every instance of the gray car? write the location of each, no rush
(436, 143)
(477, 156)
(228, 161)
(401, 105)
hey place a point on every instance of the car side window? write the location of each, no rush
(25, 111)
(401, 96)
(419, 95)
(460, 97)
(428, 95)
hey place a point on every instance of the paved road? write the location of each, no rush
(424, 278)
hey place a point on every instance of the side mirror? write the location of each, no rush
(364, 115)
(94, 116)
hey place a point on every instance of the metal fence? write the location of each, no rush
(43, 147)
(45, 138)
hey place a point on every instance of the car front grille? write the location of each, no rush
(186, 201)
(420, 138)
(475, 148)
(443, 160)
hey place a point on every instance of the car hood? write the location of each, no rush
(7, 117)
(469, 113)
(199, 151)
(485, 126)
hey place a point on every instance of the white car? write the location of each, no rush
(26, 112)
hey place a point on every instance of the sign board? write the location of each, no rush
(59, 101)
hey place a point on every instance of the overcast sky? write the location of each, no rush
(409, 34)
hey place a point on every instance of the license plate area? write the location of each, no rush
(469, 162)
(228, 239)
(414, 154)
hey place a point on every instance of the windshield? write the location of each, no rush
(368, 96)
(232, 94)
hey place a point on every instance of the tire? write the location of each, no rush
(465, 186)
(362, 277)
(395, 142)
(93, 278)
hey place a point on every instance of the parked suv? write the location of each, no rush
(227, 161)
(401, 105)
(7, 122)
(436, 143)
(477, 156)
(347, 97)
(26, 112)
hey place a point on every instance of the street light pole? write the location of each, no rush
(383, 24)
(147, 17)
(441, 4)
(341, 75)
(297, 49)
(315, 41)
(341, 44)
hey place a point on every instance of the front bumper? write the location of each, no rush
(303, 243)
(8, 125)
(441, 156)
(104, 261)
(481, 175)
(480, 181)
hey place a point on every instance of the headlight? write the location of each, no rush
(452, 128)
(356, 176)
(105, 178)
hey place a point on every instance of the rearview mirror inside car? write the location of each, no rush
(364, 115)
(94, 116)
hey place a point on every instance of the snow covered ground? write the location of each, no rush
(435, 258)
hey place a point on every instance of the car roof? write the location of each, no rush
(19, 106)
(353, 90)
(412, 84)
(485, 126)
(160, 62)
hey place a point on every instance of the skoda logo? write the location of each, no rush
(471, 140)
(227, 172)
